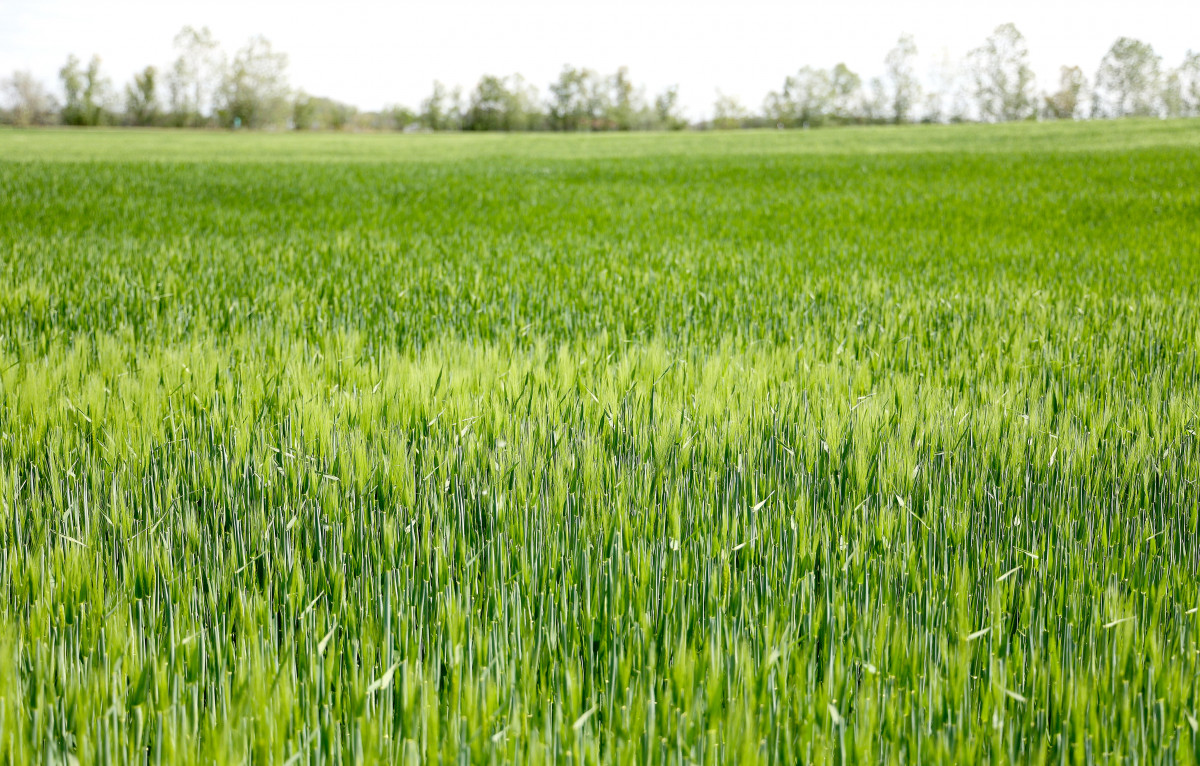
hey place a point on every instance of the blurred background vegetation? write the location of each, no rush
(206, 86)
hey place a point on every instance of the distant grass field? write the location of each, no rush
(838, 446)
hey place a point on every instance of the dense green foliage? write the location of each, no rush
(874, 445)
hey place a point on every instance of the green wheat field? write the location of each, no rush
(831, 447)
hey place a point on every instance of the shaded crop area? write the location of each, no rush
(877, 445)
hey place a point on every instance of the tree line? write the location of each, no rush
(205, 87)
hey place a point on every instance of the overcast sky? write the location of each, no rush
(372, 52)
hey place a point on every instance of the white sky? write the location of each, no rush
(372, 52)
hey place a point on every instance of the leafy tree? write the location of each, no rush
(337, 115)
(1128, 83)
(194, 76)
(1003, 79)
(316, 112)
(627, 109)
(946, 99)
(579, 100)
(805, 99)
(501, 103)
(441, 111)
(489, 102)
(523, 108)
(667, 113)
(905, 89)
(845, 94)
(28, 101)
(1182, 93)
(433, 108)
(141, 98)
(876, 104)
(304, 112)
(87, 93)
(254, 92)
(398, 117)
(779, 107)
(1067, 101)
(488, 109)
(1189, 76)
(73, 85)
(728, 113)
(456, 108)
(814, 92)
(566, 106)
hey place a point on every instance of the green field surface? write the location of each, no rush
(844, 446)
